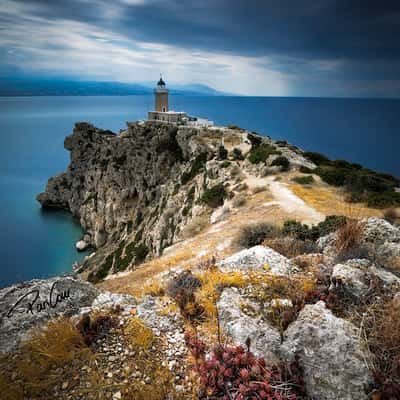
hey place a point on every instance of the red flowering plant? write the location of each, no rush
(234, 373)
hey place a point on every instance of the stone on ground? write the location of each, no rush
(330, 352)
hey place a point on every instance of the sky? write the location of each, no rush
(345, 48)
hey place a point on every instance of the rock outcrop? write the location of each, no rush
(257, 258)
(33, 303)
(265, 339)
(331, 353)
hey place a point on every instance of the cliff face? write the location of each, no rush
(133, 192)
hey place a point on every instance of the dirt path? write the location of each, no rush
(293, 204)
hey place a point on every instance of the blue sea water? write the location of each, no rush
(36, 244)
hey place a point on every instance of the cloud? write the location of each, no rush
(264, 47)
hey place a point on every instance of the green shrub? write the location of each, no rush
(304, 232)
(237, 154)
(317, 158)
(333, 176)
(261, 153)
(222, 153)
(255, 234)
(331, 224)
(254, 139)
(235, 127)
(282, 162)
(299, 231)
(384, 200)
(303, 180)
(214, 196)
(305, 170)
(225, 164)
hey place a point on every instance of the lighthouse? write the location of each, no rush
(161, 96)
(162, 113)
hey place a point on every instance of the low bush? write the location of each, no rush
(383, 200)
(255, 234)
(237, 154)
(383, 335)
(332, 176)
(304, 232)
(282, 162)
(261, 153)
(182, 289)
(291, 247)
(348, 240)
(304, 180)
(235, 127)
(214, 196)
(225, 164)
(317, 158)
(94, 329)
(222, 153)
(305, 170)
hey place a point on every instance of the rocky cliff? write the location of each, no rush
(136, 191)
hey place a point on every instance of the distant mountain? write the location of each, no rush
(62, 87)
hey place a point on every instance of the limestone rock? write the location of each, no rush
(34, 303)
(81, 245)
(379, 231)
(330, 352)
(111, 300)
(265, 339)
(219, 214)
(149, 312)
(351, 277)
(257, 258)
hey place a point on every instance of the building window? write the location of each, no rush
(163, 109)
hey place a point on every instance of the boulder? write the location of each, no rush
(220, 214)
(379, 231)
(330, 352)
(81, 245)
(33, 303)
(388, 256)
(257, 258)
(351, 277)
(265, 339)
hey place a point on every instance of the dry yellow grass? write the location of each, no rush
(138, 333)
(53, 355)
(329, 201)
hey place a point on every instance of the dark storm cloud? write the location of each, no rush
(349, 40)
(366, 29)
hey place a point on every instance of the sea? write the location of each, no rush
(39, 244)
